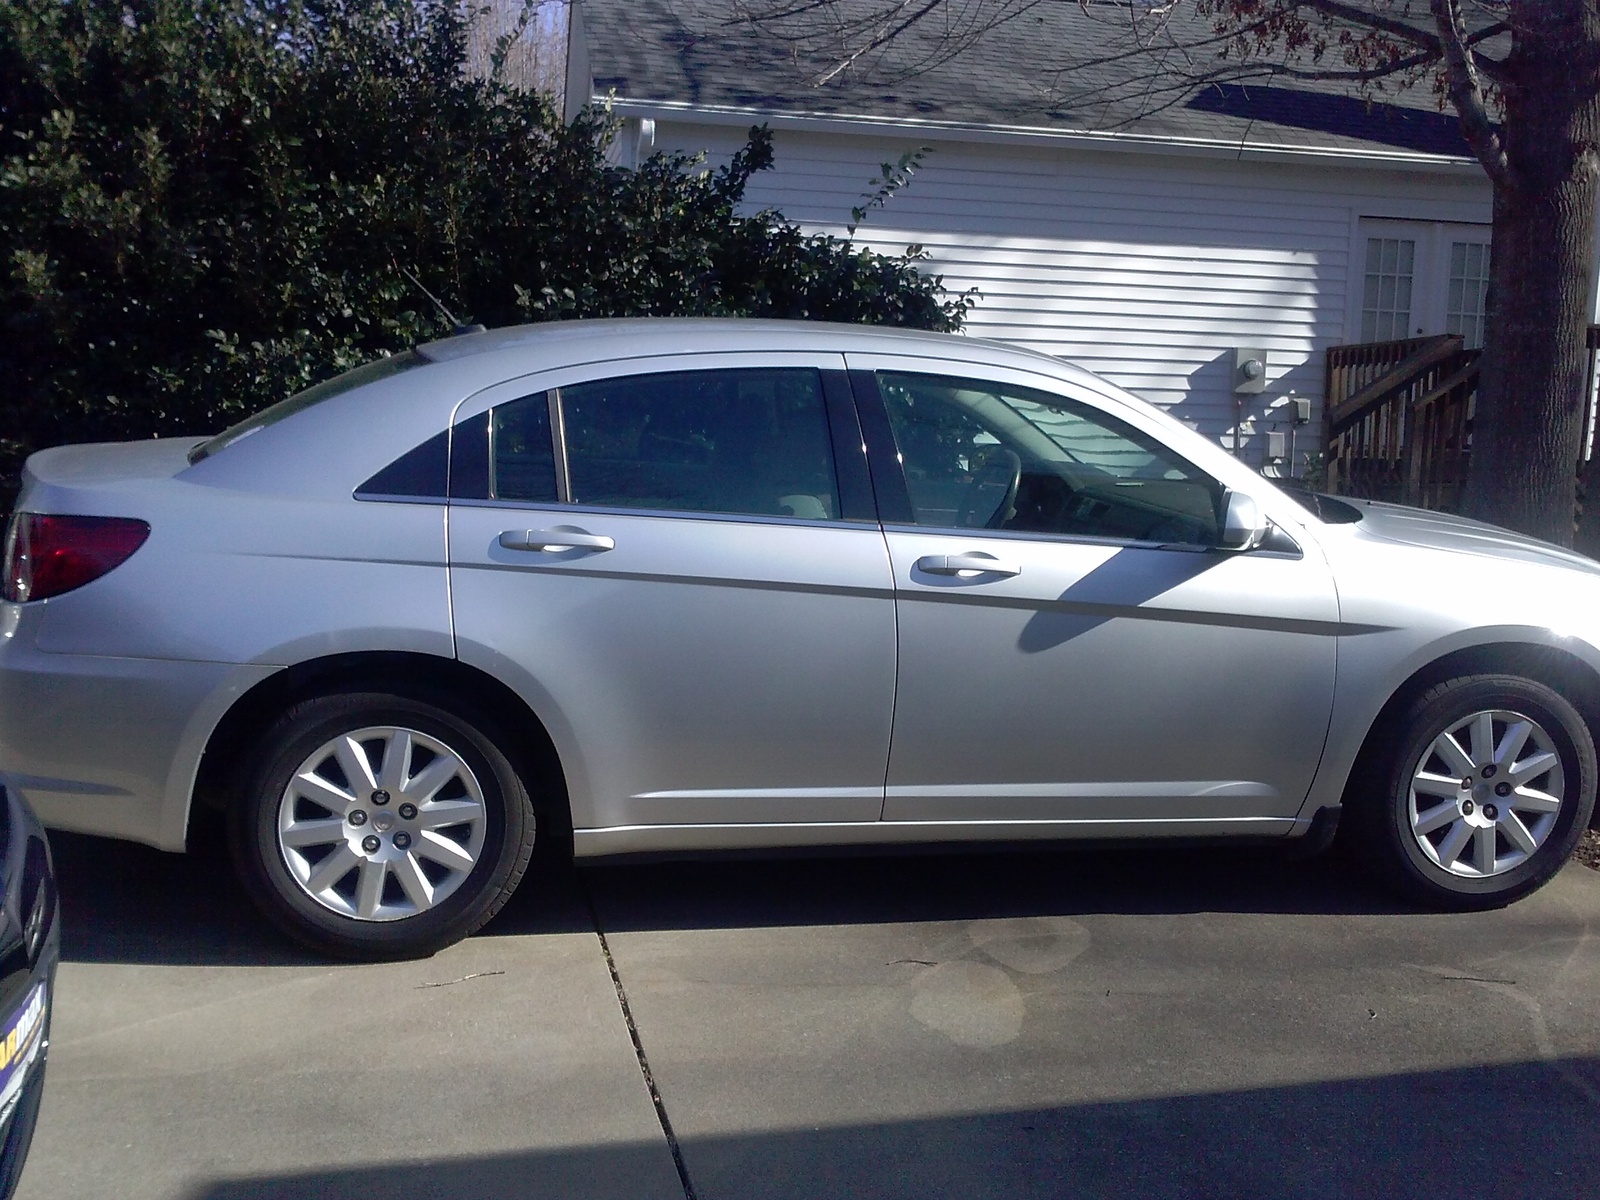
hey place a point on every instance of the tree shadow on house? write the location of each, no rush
(1355, 117)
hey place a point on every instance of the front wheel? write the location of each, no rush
(1482, 790)
(375, 826)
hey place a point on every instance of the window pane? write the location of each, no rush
(1469, 289)
(740, 441)
(420, 472)
(1386, 289)
(523, 465)
(986, 455)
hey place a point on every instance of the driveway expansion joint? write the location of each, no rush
(638, 1050)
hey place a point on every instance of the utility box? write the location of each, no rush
(1249, 370)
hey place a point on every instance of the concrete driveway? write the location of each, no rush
(1129, 1024)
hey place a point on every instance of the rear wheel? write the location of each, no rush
(376, 826)
(1480, 794)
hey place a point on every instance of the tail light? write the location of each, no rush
(48, 555)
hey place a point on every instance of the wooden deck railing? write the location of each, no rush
(1397, 417)
(1398, 420)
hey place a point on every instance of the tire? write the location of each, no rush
(1532, 769)
(371, 826)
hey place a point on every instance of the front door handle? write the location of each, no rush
(965, 564)
(559, 538)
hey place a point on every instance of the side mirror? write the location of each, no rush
(1243, 526)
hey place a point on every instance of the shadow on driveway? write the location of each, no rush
(861, 889)
(127, 903)
(1512, 1130)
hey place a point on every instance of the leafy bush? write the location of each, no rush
(208, 204)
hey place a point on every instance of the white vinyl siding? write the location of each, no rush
(1146, 269)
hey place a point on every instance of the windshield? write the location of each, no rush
(300, 401)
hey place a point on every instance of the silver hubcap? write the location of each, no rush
(1486, 793)
(381, 823)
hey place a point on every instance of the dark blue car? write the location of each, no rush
(30, 947)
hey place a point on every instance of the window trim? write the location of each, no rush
(852, 473)
(883, 454)
(558, 445)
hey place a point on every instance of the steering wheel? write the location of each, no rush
(996, 477)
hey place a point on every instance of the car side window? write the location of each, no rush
(985, 455)
(522, 464)
(742, 441)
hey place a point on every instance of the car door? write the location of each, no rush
(671, 562)
(1073, 647)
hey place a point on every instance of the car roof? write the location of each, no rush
(706, 334)
(592, 340)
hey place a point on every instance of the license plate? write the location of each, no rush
(19, 1048)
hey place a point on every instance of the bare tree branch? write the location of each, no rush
(1369, 18)
(1409, 63)
(1160, 44)
(1467, 94)
(1491, 68)
(883, 37)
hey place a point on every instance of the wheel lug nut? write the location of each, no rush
(1467, 806)
(1502, 789)
(359, 817)
(1491, 812)
(1467, 784)
(1488, 772)
(408, 812)
(380, 797)
(402, 840)
(371, 844)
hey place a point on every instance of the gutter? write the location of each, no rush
(1037, 135)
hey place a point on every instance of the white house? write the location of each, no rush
(1152, 247)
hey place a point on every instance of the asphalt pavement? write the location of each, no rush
(1191, 1023)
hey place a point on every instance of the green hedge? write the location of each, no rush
(208, 204)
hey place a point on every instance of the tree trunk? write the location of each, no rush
(1526, 436)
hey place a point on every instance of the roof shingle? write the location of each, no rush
(696, 52)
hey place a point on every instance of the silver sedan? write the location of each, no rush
(695, 585)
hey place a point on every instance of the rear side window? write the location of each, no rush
(736, 441)
(503, 454)
(751, 442)
(419, 473)
(745, 442)
(522, 465)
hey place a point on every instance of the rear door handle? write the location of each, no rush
(559, 538)
(965, 564)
